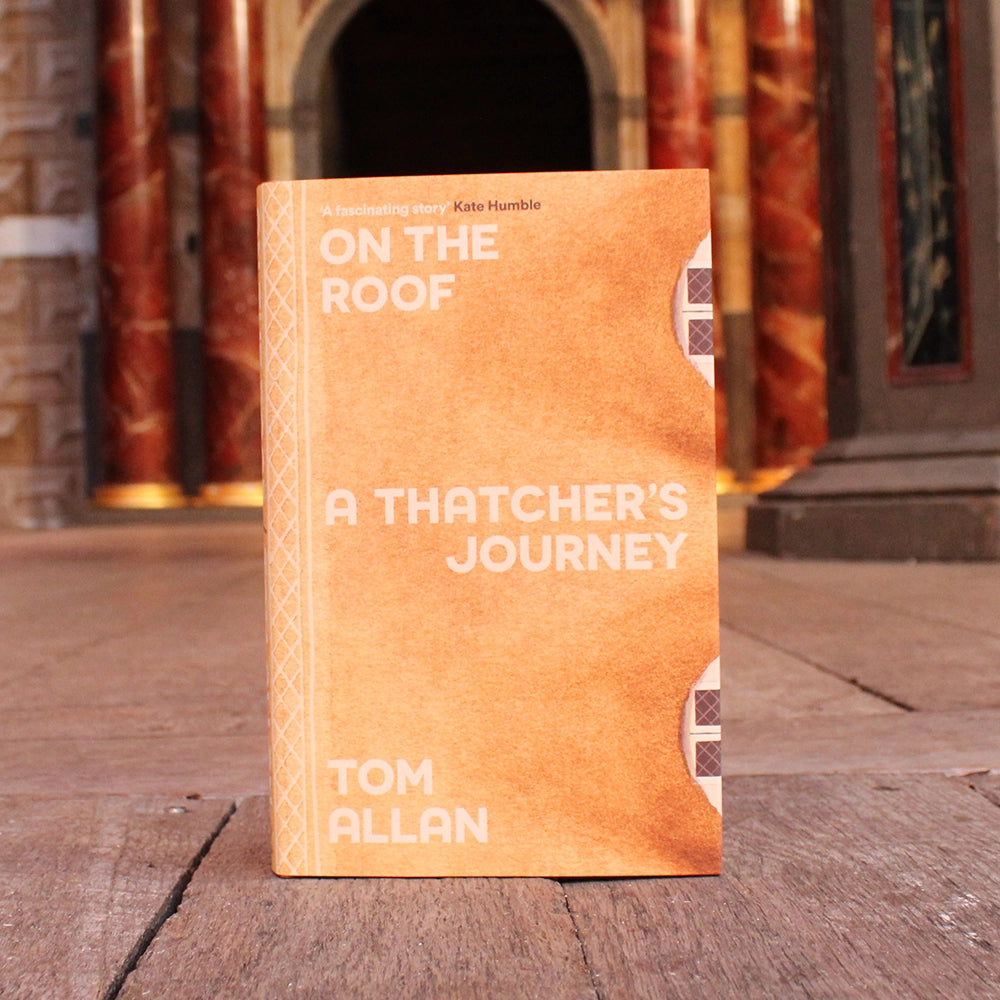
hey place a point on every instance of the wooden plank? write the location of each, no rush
(156, 680)
(85, 882)
(104, 558)
(835, 744)
(243, 932)
(902, 655)
(764, 684)
(965, 595)
(191, 671)
(834, 887)
(211, 766)
(120, 714)
(133, 661)
(986, 783)
(99, 584)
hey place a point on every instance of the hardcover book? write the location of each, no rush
(490, 513)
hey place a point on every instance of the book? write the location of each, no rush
(490, 514)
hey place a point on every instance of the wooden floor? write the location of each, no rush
(862, 802)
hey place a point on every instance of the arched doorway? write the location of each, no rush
(445, 86)
(541, 66)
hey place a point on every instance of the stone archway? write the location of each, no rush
(347, 30)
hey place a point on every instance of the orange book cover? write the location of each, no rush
(490, 510)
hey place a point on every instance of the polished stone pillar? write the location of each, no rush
(678, 83)
(912, 468)
(139, 441)
(731, 246)
(787, 234)
(234, 163)
(679, 110)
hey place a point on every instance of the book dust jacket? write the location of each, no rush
(490, 508)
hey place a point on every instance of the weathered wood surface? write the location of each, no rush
(132, 661)
(941, 742)
(242, 932)
(901, 652)
(762, 682)
(986, 784)
(834, 888)
(84, 883)
(964, 595)
(133, 631)
(212, 766)
(800, 634)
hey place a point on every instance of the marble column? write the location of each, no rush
(787, 234)
(679, 108)
(678, 83)
(912, 467)
(234, 163)
(731, 245)
(139, 439)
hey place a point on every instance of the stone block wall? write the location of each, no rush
(47, 245)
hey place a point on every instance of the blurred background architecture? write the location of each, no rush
(853, 146)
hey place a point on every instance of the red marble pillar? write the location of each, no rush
(139, 442)
(679, 115)
(785, 205)
(678, 83)
(234, 163)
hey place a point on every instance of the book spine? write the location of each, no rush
(282, 525)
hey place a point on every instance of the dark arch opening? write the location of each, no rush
(455, 86)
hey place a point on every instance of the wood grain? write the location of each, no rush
(903, 742)
(834, 887)
(987, 784)
(134, 632)
(213, 765)
(764, 683)
(85, 882)
(243, 932)
(902, 654)
(132, 661)
(959, 594)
